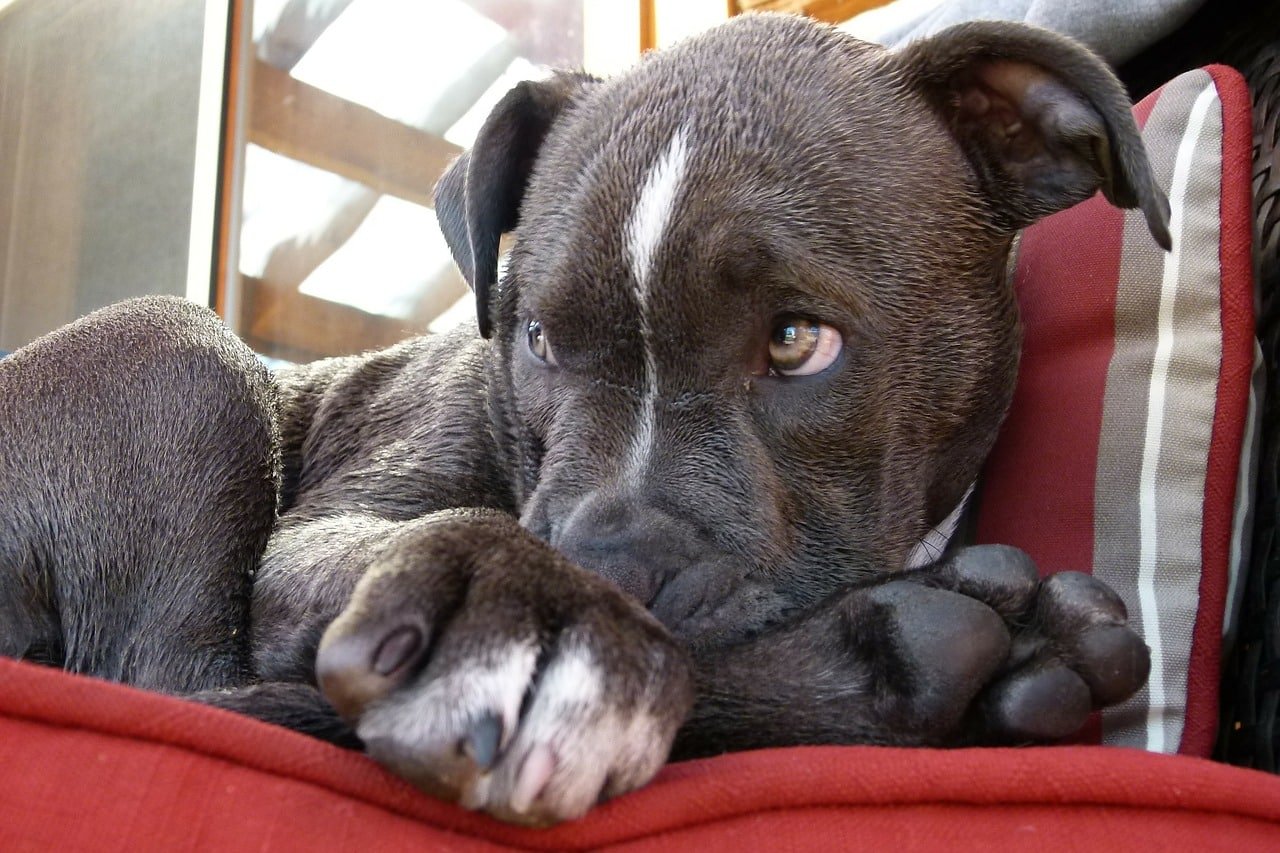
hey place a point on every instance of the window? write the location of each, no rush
(109, 138)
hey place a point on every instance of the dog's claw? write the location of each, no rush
(481, 744)
(535, 773)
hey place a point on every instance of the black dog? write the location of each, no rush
(755, 339)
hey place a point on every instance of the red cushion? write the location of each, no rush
(96, 766)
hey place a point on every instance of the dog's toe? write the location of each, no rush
(1076, 653)
(358, 665)
(945, 647)
(1042, 703)
(527, 748)
(1002, 577)
(575, 746)
(1069, 600)
(1113, 661)
(1084, 621)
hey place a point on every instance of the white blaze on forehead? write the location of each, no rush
(653, 208)
(645, 230)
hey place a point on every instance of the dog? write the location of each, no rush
(754, 341)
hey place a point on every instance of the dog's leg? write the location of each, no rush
(973, 650)
(139, 463)
(299, 707)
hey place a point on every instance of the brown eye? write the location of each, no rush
(800, 346)
(538, 343)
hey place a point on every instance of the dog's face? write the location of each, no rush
(755, 337)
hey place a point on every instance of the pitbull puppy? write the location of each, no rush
(754, 341)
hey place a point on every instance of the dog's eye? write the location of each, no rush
(800, 346)
(538, 343)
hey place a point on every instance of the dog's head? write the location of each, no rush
(755, 336)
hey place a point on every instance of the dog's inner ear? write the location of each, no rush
(1044, 123)
(478, 198)
(1046, 139)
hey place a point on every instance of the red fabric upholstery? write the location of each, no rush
(86, 765)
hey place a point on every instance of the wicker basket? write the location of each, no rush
(1250, 733)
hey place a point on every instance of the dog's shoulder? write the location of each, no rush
(422, 403)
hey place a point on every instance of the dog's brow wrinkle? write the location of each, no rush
(630, 391)
(691, 398)
(682, 400)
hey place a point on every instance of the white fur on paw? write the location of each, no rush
(578, 741)
(418, 728)
(575, 745)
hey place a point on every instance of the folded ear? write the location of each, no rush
(478, 198)
(1043, 121)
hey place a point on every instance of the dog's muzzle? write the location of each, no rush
(636, 546)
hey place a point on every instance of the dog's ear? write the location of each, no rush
(478, 198)
(1043, 121)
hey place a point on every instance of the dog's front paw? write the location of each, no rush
(1072, 650)
(476, 662)
(979, 649)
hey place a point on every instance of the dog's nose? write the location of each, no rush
(636, 546)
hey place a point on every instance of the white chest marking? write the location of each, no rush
(934, 544)
(645, 230)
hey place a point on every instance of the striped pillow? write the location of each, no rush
(1129, 448)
